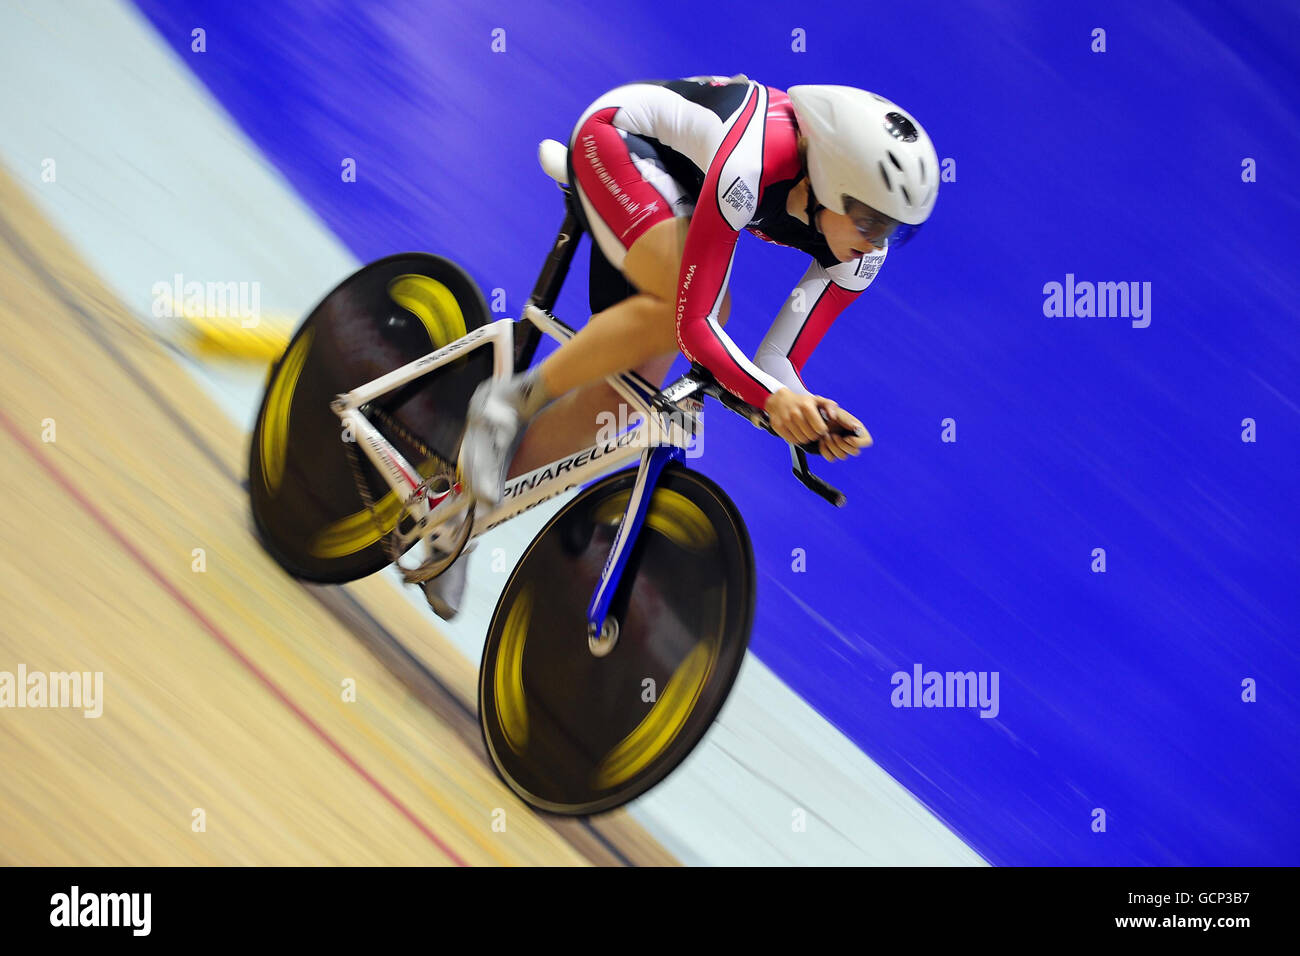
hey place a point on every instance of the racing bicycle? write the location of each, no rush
(620, 631)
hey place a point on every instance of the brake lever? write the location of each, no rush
(799, 459)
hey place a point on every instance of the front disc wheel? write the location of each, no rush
(578, 723)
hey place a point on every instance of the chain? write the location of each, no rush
(363, 487)
(402, 432)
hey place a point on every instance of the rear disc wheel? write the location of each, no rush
(307, 508)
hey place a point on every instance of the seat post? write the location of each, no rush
(554, 271)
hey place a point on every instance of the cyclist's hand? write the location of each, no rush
(796, 418)
(839, 447)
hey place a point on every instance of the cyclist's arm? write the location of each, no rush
(819, 298)
(726, 204)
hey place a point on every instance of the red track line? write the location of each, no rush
(220, 637)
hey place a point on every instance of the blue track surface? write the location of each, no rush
(1119, 691)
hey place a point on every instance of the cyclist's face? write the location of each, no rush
(848, 238)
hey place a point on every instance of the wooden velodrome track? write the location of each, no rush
(222, 687)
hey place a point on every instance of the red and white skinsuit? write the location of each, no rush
(723, 151)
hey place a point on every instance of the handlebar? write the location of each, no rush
(701, 380)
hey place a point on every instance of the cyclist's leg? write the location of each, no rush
(638, 215)
(638, 332)
(638, 274)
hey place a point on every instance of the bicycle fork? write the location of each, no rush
(602, 630)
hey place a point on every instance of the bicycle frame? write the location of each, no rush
(655, 439)
(668, 419)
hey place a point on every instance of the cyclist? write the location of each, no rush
(667, 174)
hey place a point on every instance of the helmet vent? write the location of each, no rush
(903, 190)
(921, 163)
(900, 127)
(894, 159)
(884, 174)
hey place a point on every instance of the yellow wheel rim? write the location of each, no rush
(275, 424)
(661, 726)
(432, 303)
(508, 676)
(671, 514)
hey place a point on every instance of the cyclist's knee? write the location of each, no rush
(651, 311)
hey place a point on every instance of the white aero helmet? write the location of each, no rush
(867, 159)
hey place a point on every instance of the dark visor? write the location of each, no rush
(880, 230)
